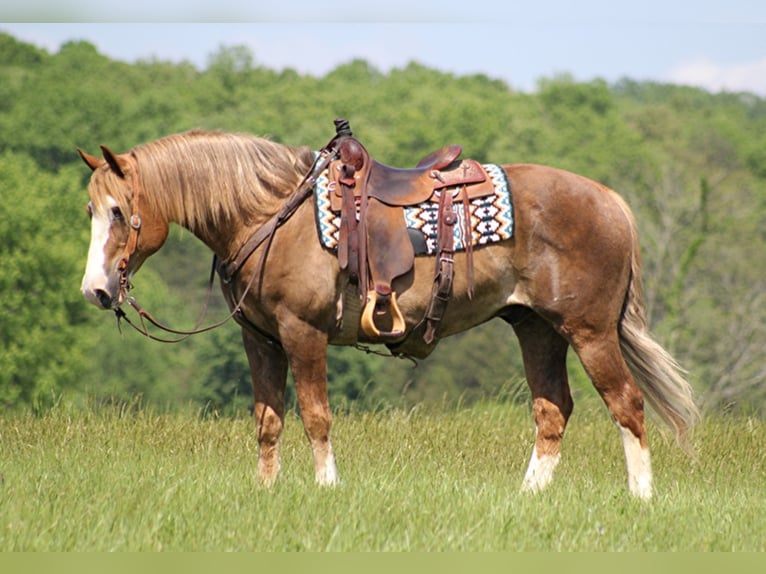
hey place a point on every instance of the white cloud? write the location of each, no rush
(741, 77)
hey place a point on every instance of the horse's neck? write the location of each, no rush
(224, 235)
(222, 209)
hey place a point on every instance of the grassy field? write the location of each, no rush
(111, 479)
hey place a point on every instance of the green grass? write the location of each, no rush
(106, 479)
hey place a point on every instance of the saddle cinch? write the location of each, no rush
(375, 246)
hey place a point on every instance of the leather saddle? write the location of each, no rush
(374, 244)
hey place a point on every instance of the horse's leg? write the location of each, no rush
(603, 361)
(544, 352)
(268, 369)
(306, 349)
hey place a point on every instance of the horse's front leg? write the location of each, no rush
(306, 349)
(268, 370)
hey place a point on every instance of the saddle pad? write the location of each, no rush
(491, 216)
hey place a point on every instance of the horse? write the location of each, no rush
(570, 276)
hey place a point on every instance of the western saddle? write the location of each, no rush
(374, 244)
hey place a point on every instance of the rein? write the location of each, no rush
(226, 270)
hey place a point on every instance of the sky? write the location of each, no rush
(717, 45)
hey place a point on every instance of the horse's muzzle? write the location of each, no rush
(104, 298)
(101, 298)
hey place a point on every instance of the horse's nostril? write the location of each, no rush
(104, 298)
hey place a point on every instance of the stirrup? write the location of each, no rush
(398, 327)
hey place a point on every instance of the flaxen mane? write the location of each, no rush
(204, 179)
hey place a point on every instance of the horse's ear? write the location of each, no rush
(90, 160)
(118, 164)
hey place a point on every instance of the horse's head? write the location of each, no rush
(123, 231)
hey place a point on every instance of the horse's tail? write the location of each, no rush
(658, 375)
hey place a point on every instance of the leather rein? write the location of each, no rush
(227, 270)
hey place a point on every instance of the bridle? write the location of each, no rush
(226, 269)
(134, 226)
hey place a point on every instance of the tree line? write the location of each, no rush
(691, 164)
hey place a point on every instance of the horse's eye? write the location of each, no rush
(117, 214)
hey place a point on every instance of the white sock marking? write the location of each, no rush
(638, 464)
(539, 472)
(327, 473)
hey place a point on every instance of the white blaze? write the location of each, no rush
(95, 277)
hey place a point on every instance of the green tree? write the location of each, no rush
(20, 54)
(44, 341)
(690, 164)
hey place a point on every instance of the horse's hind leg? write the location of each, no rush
(544, 352)
(268, 369)
(603, 361)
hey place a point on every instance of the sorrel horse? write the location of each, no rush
(569, 276)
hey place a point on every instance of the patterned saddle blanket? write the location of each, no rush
(491, 217)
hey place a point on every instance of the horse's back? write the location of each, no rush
(566, 208)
